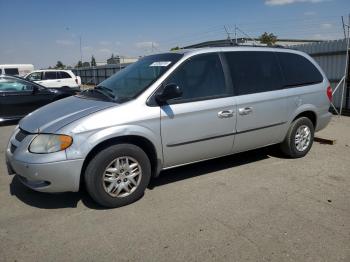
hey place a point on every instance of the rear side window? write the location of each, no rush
(50, 75)
(200, 77)
(61, 75)
(11, 71)
(254, 72)
(298, 70)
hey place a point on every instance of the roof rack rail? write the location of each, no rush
(237, 45)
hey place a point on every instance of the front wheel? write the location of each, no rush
(118, 175)
(299, 138)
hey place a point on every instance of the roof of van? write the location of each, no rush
(192, 51)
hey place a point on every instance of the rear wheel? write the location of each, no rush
(118, 175)
(299, 138)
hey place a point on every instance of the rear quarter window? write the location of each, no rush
(298, 70)
(62, 75)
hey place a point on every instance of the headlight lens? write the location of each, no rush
(47, 143)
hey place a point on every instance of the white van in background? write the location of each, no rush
(54, 78)
(16, 69)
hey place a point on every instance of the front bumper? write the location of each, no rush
(63, 176)
(42, 172)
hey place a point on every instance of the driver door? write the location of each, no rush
(200, 124)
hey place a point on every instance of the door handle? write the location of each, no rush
(245, 110)
(58, 80)
(225, 114)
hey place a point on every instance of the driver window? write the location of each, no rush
(36, 76)
(14, 85)
(201, 77)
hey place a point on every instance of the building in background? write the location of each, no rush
(116, 60)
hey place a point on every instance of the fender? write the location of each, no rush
(85, 142)
(301, 109)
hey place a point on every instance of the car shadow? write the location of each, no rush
(208, 167)
(48, 200)
(71, 200)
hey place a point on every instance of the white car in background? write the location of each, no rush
(53, 78)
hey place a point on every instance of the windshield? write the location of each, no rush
(135, 78)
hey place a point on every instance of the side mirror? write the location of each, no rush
(170, 91)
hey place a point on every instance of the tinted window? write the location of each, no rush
(200, 77)
(50, 75)
(11, 71)
(14, 85)
(61, 75)
(34, 76)
(254, 72)
(298, 70)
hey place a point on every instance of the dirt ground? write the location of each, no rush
(254, 206)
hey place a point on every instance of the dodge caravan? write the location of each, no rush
(168, 110)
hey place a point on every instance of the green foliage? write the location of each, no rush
(60, 65)
(175, 48)
(80, 64)
(268, 38)
(93, 61)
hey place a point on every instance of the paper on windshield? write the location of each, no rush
(160, 63)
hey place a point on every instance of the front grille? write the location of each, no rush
(21, 135)
(13, 148)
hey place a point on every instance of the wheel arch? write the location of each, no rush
(309, 111)
(140, 141)
(310, 115)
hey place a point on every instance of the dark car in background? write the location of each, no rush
(19, 96)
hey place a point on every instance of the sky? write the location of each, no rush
(43, 32)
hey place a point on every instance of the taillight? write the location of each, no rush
(329, 93)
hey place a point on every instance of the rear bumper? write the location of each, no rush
(323, 120)
(62, 176)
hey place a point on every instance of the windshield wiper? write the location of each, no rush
(105, 90)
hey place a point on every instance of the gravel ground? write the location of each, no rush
(254, 206)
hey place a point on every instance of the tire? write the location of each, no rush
(290, 147)
(99, 180)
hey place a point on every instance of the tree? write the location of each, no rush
(80, 64)
(175, 48)
(59, 65)
(268, 38)
(93, 61)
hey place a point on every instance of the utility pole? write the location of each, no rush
(81, 52)
(235, 34)
(347, 37)
(228, 35)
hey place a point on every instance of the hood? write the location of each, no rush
(52, 117)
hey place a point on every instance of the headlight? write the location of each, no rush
(46, 143)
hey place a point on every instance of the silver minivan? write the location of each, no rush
(168, 110)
